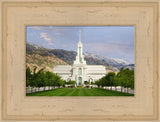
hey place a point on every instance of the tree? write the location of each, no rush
(43, 78)
(40, 80)
(34, 79)
(28, 77)
(64, 82)
(131, 79)
(110, 78)
(126, 78)
(57, 81)
(38, 77)
(116, 81)
(49, 79)
(103, 81)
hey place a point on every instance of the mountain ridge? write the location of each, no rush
(44, 57)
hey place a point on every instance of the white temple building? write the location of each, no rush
(80, 71)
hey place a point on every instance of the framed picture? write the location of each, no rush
(100, 63)
(80, 60)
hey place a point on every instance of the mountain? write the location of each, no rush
(110, 61)
(130, 66)
(67, 56)
(115, 64)
(49, 58)
(70, 56)
(43, 57)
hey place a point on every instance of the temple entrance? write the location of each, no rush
(79, 81)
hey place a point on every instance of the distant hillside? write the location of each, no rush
(130, 66)
(115, 64)
(67, 56)
(43, 57)
(70, 56)
(48, 58)
(111, 61)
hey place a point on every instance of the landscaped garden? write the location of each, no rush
(45, 83)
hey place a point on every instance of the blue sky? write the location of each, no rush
(110, 41)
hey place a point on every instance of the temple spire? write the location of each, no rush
(79, 35)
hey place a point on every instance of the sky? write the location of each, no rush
(110, 41)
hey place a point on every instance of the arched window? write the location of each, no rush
(79, 71)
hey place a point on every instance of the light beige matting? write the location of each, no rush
(17, 14)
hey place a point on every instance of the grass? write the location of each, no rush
(79, 92)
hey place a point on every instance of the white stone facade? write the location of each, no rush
(80, 71)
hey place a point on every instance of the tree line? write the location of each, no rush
(41, 78)
(124, 78)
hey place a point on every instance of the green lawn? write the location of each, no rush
(79, 92)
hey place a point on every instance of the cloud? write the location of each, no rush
(46, 38)
(116, 41)
(44, 35)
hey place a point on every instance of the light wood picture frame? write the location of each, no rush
(17, 14)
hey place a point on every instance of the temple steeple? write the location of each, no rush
(79, 51)
(80, 57)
